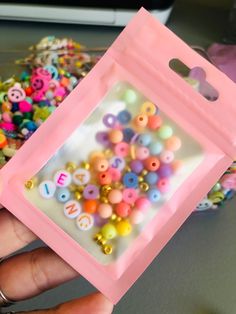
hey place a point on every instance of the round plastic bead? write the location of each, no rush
(142, 152)
(148, 108)
(121, 149)
(165, 171)
(144, 139)
(117, 162)
(153, 195)
(47, 189)
(91, 192)
(163, 185)
(123, 209)
(173, 143)
(100, 164)
(7, 116)
(124, 116)
(136, 166)
(130, 180)
(62, 178)
(103, 138)
(128, 134)
(25, 106)
(62, 195)
(115, 196)
(165, 132)
(3, 140)
(167, 156)
(115, 174)
(155, 148)
(72, 209)
(152, 163)
(130, 96)
(154, 122)
(90, 206)
(84, 221)
(136, 217)
(16, 93)
(108, 231)
(109, 120)
(105, 177)
(151, 178)
(81, 176)
(105, 210)
(115, 136)
(141, 120)
(123, 228)
(176, 165)
(129, 196)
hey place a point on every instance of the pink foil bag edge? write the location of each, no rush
(218, 155)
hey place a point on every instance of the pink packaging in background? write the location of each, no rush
(137, 61)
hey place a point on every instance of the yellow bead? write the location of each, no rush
(104, 200)
(107, 249)
(97, 237)
(140, 179)
(123, 228)
(71, 166)
(216, 197)
(148, 108)
(29, 184)
(105, 189)
(78, 195)
(144, 186)
(109, 231)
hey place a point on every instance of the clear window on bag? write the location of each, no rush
(114, 173)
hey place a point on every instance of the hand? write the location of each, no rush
(31, 273)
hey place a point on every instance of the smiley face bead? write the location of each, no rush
(85, 221)
(16, 93)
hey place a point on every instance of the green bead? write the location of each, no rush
(17, 119)
(28, 115)
(108, 231)
(165, 132)
(130, 96)
(216, 187)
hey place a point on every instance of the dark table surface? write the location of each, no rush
(195, 273)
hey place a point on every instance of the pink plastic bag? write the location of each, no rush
(128, 127)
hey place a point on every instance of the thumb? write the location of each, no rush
(92, 304)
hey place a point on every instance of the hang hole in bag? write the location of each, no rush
(196, 77)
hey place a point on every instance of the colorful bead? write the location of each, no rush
(90, 206)
(104, 210)
(144, 186)
(3, 140)
(62, 178)
(124, 116)
(173, 143)
(152, 163)
(115, 174)
(130, 180)
(144, 139)
(121, 149)
(70, 166)
(72, 209)
(141, 152)
(167, 156)
(47, 189)
(163, 185)
(105, 177)
(154, 122)
(136, 217)
(91, 192)
(81, 176)
(148, 108)
(103, 138)
(151, 178)
(141, 120)
(153, 195)
(155, 148)
(16, 93)
(136, 166)
(109, 120)
(129, 196)
(123, 209)
(62, 195)
(128, 134)
(115, 136)
(130, 96)
(107, 249)
(100, 164)
(108, 231)
(115, 196)
(117, 162)
(123, 228)
(165, 170)
(165, 132)
(84, 221)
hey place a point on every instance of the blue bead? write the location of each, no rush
(31, 126)
(151, 178)
(130, 180)
(153, 195)
(144, 139)
(53, 70)
(155, 148)
(128, 134)
(124, 117)
(15, 107)
(62, 195)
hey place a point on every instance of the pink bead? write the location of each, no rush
(115, 174)
(6, 116)
(136, 217)
(176, 165)
(8, 126)
(141, 152)
(39, 83)
(43, 73)
(25, 106)
(130, 195)
(16, 93)
(121, 149)
(60, 91)
(115, 196)
(38, 96)
(142, 204)
(104, 210)
(154, 122)
(104, 178)
(167, 156)
(163, 185)
(173, 143)
(123, 209)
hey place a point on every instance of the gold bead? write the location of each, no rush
(85, 165)
(144, 186)
(144, 172)
(127, 169)
(97, 237)
(105, 189)
(80, 188)
(118, 185)
(140, 179)
(107, 249)
(78, 195)
(118, 219)
(108, 153)
(71, 166)
(29, 184)
(73, 187)
(113, 217)
(101, 241)
(103, 199)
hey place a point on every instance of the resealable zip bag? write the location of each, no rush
(114, 172)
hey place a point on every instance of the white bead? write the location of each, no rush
(62, 178)
(47, 189)
(85, 221)
(72, 209)
(81, 176)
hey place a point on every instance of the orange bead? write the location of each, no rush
(154, 122)
(152, 163)
(3, 140)
(90, 206)
(28, 91)
(105, 178)
(115, 136)
(177, 165)
(141, 120)
(100, 164)
(173, 143)
(6, 106)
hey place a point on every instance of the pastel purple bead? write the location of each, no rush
(103, 138)
(109, 120)
(136, 166)
(165, 171)
(91, 192)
